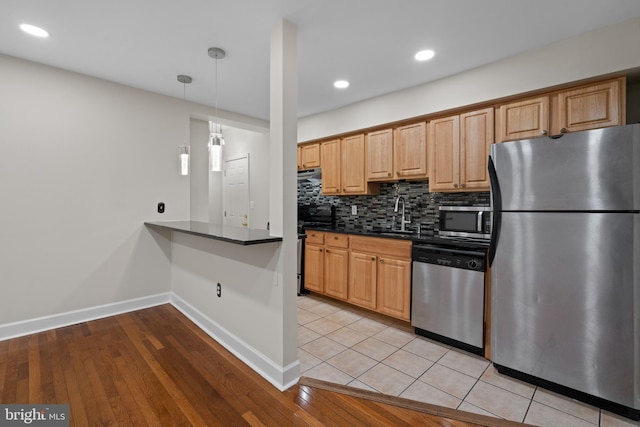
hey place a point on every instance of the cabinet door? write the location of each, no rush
(353, 173)
(330, 153)
(410, 151)
(444, 137)
(379, 155)
(476, 137)
(523, 119)
(589, 107)
(336, 270)
(310, 156)
(394, 287)
(314, 268)
(362, 279)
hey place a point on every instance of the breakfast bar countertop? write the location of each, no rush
(237, 235)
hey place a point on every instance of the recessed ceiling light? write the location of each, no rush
(341, 84)
(33, 30)
(424, 55)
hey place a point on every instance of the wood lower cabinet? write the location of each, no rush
(370, 272)
(394, 296)
(363, 280)
(381, 278)
(336, 265)
(314, 267)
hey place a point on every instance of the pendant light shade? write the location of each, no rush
(183, 150)
(216, 140)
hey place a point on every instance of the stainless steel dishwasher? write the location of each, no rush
(447, 302)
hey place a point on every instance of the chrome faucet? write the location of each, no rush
(404, 218)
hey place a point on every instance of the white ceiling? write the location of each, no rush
(147, 43)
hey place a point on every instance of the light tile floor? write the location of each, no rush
(345, 345)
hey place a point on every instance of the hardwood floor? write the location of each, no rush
(154, 367)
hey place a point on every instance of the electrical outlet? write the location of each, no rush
(219, 290)
(160, 207)
(354, 209)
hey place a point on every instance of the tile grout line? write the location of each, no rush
(414, 379)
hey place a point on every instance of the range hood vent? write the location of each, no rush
(310, 175)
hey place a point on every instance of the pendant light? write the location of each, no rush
(216, 141)
(183, 150)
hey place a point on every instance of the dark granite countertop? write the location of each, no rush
(237, 235)
(430, 237)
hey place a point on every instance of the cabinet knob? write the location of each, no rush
(543, 132)
(373, 258)
(455, 185)
(320, 250)
(335, 238)
(463, 185)
(327, 251)
(381, 261)
(388, 173)
(563, 130)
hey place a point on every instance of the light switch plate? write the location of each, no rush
(354, 209)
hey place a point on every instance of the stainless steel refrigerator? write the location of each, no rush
(565, 264)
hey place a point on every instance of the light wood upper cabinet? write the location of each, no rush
(331, 170)
(343, 169)
(379, 155)
(444, 153)
(476, 137)
(523, 119)
(353, 174)
(459, 150)
(591, 106)
(588, 107)
(309, 156)
(410, 151)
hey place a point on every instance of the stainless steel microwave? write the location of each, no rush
(465, 221)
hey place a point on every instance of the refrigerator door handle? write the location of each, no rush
(496, 199)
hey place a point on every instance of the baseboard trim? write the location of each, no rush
(427, 408)
(40, 324)
(280, 377)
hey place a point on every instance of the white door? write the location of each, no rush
(236, 192)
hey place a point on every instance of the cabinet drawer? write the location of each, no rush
(382, 246)
(315, 237)
(336, 240)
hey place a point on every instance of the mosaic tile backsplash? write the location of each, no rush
(378, 211)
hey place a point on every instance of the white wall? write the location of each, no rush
(239, 142)
(83, 163)
(600, 52)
